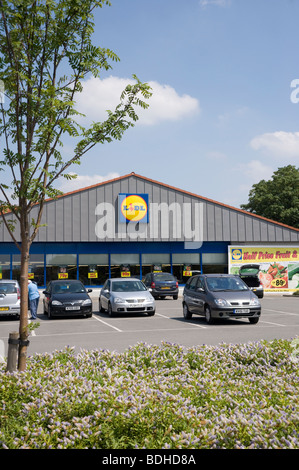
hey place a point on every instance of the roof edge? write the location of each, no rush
(119, 178)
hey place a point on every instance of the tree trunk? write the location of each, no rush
(24, 293)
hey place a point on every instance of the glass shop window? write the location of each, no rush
(125, 265)
(93, 269)
(61, 267)
(35, 268)
(213, 263)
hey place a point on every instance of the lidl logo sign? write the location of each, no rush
(133, 208)
(236, 255)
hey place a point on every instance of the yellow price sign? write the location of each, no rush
(125, 274)
(63, 275)
(278, 282)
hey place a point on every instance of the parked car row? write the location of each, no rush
(210, 295)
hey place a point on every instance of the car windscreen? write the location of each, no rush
(128, 286)
(225, 284)
(68, 288)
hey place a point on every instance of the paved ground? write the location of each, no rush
(280, 319)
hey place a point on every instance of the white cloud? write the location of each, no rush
(83, 181)
(255, 171)
(281, 145)
(164, 105)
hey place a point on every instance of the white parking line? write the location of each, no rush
(107, 324)
(279, 311)
(271, 323)
(189, 323)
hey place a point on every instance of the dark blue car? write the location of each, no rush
(162, 285)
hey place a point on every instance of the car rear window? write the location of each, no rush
(8, 288)
(164, 277)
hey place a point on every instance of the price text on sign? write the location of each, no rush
(278, 282)
(63, 275)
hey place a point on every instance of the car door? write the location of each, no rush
(199, 296)
(105, 294)
(190, 297)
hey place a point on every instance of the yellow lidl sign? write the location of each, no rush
(133, 208)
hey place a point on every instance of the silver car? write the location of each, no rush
(220, 296)
(9, 297)
(120, 295)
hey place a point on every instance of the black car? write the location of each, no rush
(220, 296)
(68, 298)
(162, 284)
(249, 273)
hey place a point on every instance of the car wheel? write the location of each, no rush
(101, 309)
(88, 315)
(150, 314)
(254, 320)
(187, 314)
(208, 315)
(175, 297)
(110, 312)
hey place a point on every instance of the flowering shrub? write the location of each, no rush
(154, 397)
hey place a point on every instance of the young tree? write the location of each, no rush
(46, 51)
(278, 198)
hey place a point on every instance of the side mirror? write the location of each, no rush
(89, 290)
(200, 289)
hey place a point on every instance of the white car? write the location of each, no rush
(120, 295)
(9, 297)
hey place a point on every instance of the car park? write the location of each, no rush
(217, 296)
(67, 298)
(9, 297)
(120, 295)
(249, 273)
(162, 285)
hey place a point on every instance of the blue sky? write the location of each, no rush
(221, 117)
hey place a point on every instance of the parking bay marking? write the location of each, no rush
(107, 324)
(189, 323)
(279, 311)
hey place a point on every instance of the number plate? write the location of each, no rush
(165, 287)
(72, 308)
(241, 310)
(4, 308)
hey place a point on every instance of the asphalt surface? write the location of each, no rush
(279, 319)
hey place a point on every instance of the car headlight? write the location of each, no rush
(56, 302)
(118, 300)
(86, 302)
(255, 302)
(221, 302)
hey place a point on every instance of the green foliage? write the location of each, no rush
(154, 397)
(46, 52)
(278, 198)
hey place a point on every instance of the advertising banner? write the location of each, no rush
(278, 266)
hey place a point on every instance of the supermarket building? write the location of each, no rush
(132, 225)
